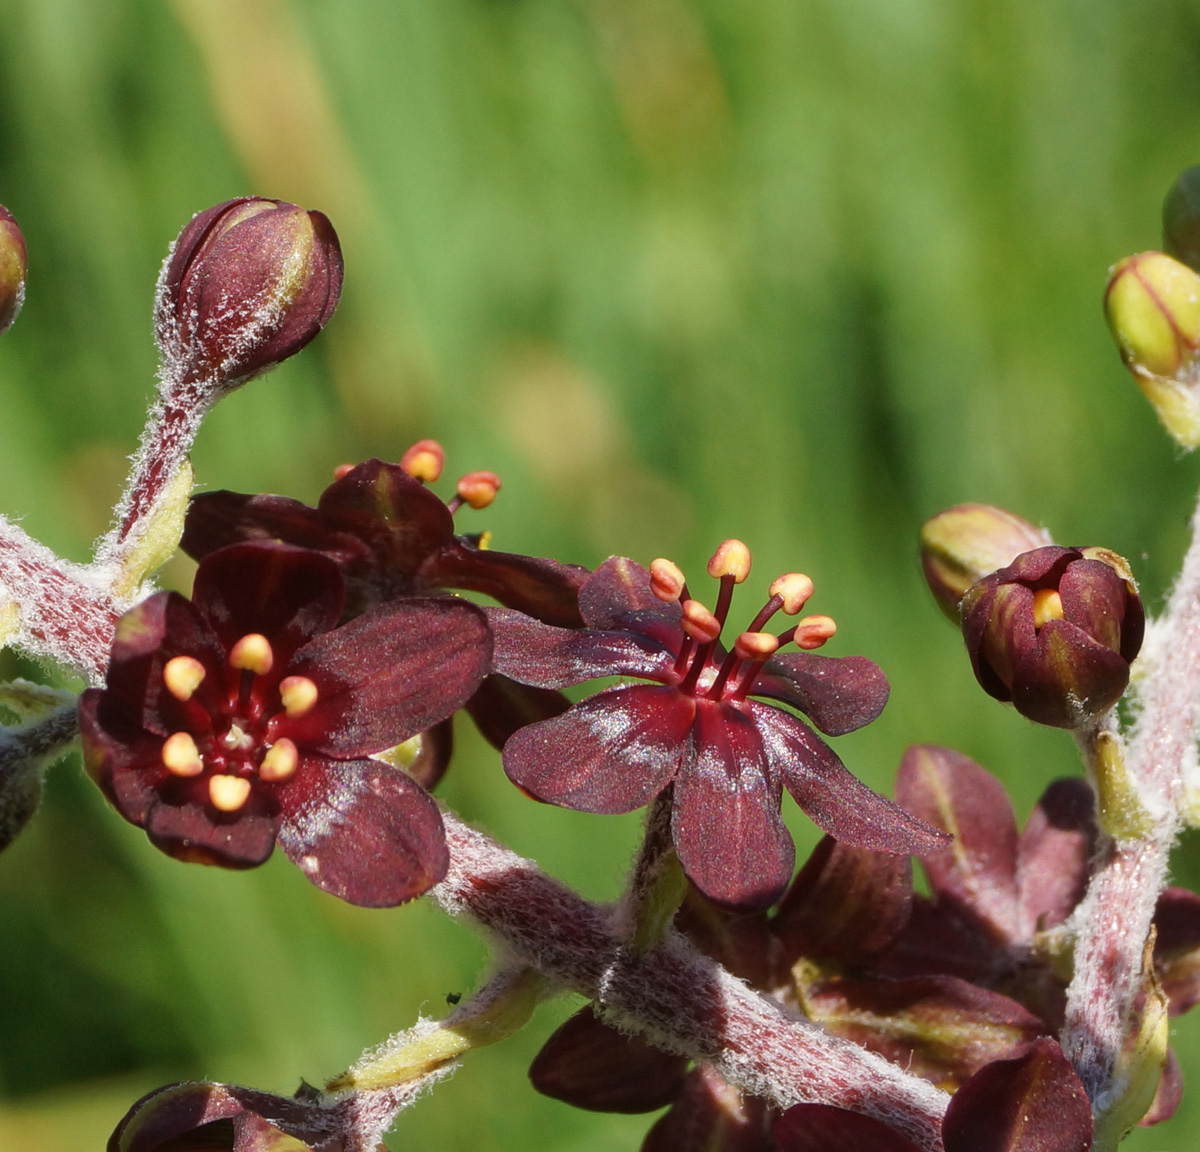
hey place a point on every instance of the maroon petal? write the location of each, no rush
(846, 904)
(1053, 855)
(839, 694)
(546, 657)
(389, 674)
(195, 832)
(120, 756)
(217, 519)
(725, 819)
(501, 706)
(1032, 1104)
(823, 1128)
(978, 870)
(1169, 1095)
(543, 589)
(833, 799)
(610, 753)
(588, 1064)
(363, 831)
(938, 1027)
(1177, 947)
(397, 516)
(945, 940)
(287, 594)
(433, 757)
(711, 1115)
(619, 591)
(1067, 677)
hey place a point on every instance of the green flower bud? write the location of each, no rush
(13, 268)
(965, 543)
(1153, 308)
(1181, 218)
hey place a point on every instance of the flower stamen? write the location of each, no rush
(182, 675)
(813, 632)
(280, 761)
(667, 581)
(252, 653)
(180, 755)
(1047, 606)
(228, 793)
(424, 461)
(298, 694)
(699, 623)
(478, 489)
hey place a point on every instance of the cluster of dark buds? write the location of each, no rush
(305, 695)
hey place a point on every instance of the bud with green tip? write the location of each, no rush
(1055, 633)
(248, 283)
(1181, 218)
(967, 542)
(13, 269)
(1153, 308)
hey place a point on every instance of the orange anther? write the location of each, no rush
(666, 580)
(1047, 606)
(298, 694)
(424, 460)
(181, 756)
(279, 762)
(478, 488)
(813, 631)
(795, 588)
(699, 623)
(252, 653)
(732, 558)
(182, 676)
(343, 470)
(756, 646)
(228, 793)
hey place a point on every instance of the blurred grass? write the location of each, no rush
(798, 272)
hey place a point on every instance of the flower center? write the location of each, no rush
(703, 670)
(225, 745)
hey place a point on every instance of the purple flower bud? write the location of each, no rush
(248, 284)
(13, 268)
(1055, 633)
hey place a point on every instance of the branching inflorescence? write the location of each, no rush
(304, 695)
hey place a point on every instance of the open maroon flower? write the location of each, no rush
(244, 715)
(696, 728)
(391, 537)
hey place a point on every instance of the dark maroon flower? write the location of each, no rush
(696, 728)
(392, 537)
(248, 283)
(1055, 633)
(244, 715)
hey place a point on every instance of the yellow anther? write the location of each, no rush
(485, 541)
(228, 793)
(794, 588)
(182, 676)
(813, 631)
(478, 488)
(298, 694)
(280, 762)
(181, 756)
(1047, 606)
(252, 653)
(424, 460)
(732, 558)
(699, 623)
(757, 646)
(666, 580)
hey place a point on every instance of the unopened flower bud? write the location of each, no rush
(1153, 308)
(1181, 218)
(13, 268)
(967, 542)
(1055, 633)
(248, 284)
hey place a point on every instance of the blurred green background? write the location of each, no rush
(803, 272)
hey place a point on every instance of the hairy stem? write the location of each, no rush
(679, 999)
(1113, 921)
